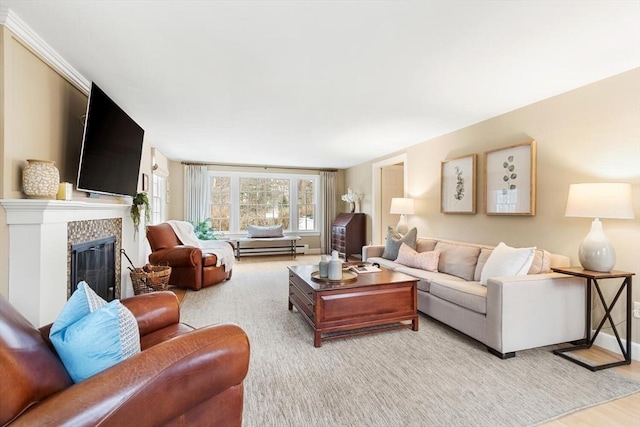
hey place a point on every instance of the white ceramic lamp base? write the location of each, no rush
(402, 226)
(596, 252)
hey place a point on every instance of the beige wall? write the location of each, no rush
(591, 134)
(359, 178)
(391, 185)
(40, 118)
(41, 113)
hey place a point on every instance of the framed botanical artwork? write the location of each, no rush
(458, 185)
(510, 180)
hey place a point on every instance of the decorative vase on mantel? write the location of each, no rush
(40, 179)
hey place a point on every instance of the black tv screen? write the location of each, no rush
(111, 148)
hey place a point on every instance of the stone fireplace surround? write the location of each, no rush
(94, 237)
(39, 246)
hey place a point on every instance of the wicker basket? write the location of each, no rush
(151, 278)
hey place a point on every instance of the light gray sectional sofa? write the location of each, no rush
(509, 314)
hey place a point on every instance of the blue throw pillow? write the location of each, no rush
(91, 335)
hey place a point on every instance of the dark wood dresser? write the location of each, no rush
(348, 232)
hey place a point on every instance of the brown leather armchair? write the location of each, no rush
(190, 268)
(182, 376)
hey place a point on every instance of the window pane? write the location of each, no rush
(306, 205)
(158, 199)
(264, 201)
(220, 203)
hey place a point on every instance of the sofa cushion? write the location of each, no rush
(395, 239)
(507, 261)
(457, 260)
(383, 262)
(422, 260)
(482, 259)
(470, 295)
(541, 262)
(209, 260)
(265, 231)
(425, 245)
(91, 335)
(426, 277)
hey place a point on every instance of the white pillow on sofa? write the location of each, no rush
(507, 261)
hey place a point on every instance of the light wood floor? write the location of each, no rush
(621, 412)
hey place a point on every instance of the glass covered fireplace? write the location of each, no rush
(95, 263)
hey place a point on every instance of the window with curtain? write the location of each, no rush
(242, 199)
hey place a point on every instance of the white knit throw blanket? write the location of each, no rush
(220, 248)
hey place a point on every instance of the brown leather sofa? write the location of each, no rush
(182, 376)
(189, 267)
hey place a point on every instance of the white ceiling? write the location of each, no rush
(329, 83)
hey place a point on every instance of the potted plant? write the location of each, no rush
(204, 230)
(140, 201)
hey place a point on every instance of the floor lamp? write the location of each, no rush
(402, 206)
(599, 200)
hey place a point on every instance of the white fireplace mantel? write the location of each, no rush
(38, 251)
(36, 211)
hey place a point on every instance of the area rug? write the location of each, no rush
(432, 377)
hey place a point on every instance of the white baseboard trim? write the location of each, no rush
(609, 342)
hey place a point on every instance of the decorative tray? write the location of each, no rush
(348, 276)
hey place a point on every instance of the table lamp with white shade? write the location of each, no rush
(402, 206)
(599, 200)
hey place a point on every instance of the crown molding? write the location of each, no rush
(32, 40)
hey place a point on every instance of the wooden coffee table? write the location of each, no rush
(378, 301)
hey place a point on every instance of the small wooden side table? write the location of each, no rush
(592, 279)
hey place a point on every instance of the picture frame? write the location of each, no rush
(510, 180)
(145, 182)
(458, 185)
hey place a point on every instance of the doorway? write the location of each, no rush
(389, 180)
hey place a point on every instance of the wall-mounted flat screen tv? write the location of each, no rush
(111, 148)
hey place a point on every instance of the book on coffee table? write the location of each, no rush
(364, 269)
